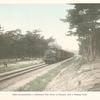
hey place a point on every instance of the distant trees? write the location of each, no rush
(84, 20)
(14, 44)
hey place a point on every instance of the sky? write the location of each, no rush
(45, 17)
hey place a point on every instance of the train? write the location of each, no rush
(56, 55)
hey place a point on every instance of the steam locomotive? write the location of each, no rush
(55, 55)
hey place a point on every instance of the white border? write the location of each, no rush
(71, 96)
(46, 1)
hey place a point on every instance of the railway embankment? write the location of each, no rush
(40, 80)
(24, 76)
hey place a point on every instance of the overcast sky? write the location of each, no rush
(44, 16)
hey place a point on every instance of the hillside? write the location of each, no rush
(85, 78)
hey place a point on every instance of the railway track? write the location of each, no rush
(18, 72)
(7, 79)
(21, 71)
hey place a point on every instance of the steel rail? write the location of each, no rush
(18, 72)
(11, 74)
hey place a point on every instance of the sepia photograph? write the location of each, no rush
(50, 47)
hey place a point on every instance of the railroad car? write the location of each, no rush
(56, 55)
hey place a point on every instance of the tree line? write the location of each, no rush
(84, 22)
(14, 44)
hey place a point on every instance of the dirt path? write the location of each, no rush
(86, 78)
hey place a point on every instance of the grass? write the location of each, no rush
(16, 65)
(41, 82)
